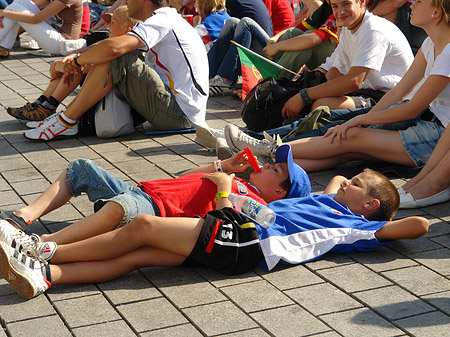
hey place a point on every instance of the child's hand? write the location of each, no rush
(221, 179)
(54, 74)
(238, 163)
(339, 133)
(271, 50)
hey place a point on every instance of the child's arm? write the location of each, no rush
(334, 185)
(407, 228)
(233, 164)
(223, 182)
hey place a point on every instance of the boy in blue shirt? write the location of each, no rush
(351, 215)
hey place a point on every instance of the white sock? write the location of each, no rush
(67, 119)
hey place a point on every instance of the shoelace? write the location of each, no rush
(29, 245)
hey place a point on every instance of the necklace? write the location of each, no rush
(357, 24)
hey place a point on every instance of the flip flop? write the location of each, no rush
(17, 221)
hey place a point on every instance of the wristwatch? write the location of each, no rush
(75, 60)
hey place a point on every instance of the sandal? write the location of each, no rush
(15, 220)
(4, 52)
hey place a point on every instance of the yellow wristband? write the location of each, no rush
(221, 195)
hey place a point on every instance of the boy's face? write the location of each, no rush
(270, 178)
(354, 193)
(347, 12)
(116, 28)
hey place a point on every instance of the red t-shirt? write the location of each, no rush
(326, 31)
(191, 195)
(281, 13)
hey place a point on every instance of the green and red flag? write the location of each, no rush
(255, 68)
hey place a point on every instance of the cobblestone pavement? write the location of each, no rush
(401, 290)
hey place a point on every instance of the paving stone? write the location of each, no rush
(129, 288)
(13, 308)
(440, 300)
(184, 330)
(437, 260)
(360, 322)
(219, 318)
(393, 302)
(116, 328)
(16, 163)
(354, 277)
(330, 260)
(255, 296)
(192, 294)
(22, 175)
(8, 198)
(383, 259)
(86, 310)
(291, 277)
(289, 321)
(220, 280)
(419, 280)
(38, 185)
(40, 327)
(322, 299)
(443, 240)
(427, 325)
(159, 313)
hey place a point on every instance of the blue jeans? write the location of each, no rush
(339, 116)
(83, 175)
(4, 3)
(223, 56)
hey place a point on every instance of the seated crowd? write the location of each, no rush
(386, 87)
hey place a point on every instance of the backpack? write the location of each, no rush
(261, 109)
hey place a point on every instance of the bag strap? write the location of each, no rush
(196, 85)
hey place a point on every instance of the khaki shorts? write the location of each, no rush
(146, 93)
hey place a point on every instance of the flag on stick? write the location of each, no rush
(255, 68)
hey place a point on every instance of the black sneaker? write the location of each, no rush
(17, 112)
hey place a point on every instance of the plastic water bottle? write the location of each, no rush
(256, 211)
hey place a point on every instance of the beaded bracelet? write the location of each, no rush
(218, 166)
(221, 195)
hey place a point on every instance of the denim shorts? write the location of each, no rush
(420, 140)
(83, 175)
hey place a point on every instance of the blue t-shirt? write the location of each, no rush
(209, 29)
(307, 228)
(254, 9)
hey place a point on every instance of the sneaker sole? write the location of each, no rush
(206, 138)
(18, 282)
(49, 140)
(224, 153)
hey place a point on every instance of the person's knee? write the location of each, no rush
(114, 211)
(143, 224)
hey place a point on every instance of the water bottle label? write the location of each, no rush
(251, 208)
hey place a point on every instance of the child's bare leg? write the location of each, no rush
(105, 220)
(54, 197)
(63, 90)
(176, 235)
(51, 87)
(334, 103)
(91, 92)
(361, 143)
(102, 271)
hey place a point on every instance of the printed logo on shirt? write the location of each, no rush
(335, 211)
(241, 188)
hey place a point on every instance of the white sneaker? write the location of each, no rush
(407, 200)
(23, 273)
(46, 122)
(207, 137)
(54, 128)
(29, 245)
(223, 151)
(217, 86)
(31, 45)
(238, 140)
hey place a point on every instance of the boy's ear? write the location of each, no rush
(279, 193)
(372, 205)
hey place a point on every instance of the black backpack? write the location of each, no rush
(262, 107)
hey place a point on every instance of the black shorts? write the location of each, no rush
(228, 243)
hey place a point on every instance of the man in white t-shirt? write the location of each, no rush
(372, 54)
(168, 87)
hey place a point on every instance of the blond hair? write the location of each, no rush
(207, 7)
(121, 13)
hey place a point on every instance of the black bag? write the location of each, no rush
(262, 107)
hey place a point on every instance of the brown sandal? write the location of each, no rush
(4, 52)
